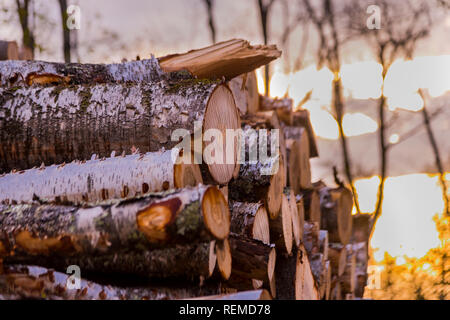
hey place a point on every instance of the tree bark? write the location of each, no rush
(100, 179)
(252, 259)
(250, 220)
(191, 214)
(9, 50)
(281, 228)
(297, 150)
(336, 209)
(259, 180)
(55, 124)
(33, 282)
(311, 238)
(147, 70)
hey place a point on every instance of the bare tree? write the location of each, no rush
(25, 12)
(264, 10)
(66, 31)
(324, 18)
(212, 28)
(403, 25)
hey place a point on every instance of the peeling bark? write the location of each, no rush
(191, 214)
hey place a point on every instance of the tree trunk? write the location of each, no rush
(111, 117)
(100, 179)
(65, 29)
(336, 209)
(191, 214)
(9, 50)
(226, 59)
(299, 169)
(252, 259)
(250, 220)
(23, 10)
(281, 228)
(283, 108)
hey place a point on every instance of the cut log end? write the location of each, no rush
(186, 175)
(261, 226)
(281, 228)
(277, 184)
(216, 213)
(223, 253)
(314, 208)
(212, 257)
(297, 228)
(221, 114)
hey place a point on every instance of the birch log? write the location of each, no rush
(100, 179)
(191, 214)
(146, 70)
(297, 150)
(301, 118)
(281, 227)
(259, 178)
(311, 238)
(311, 200)
(191, 262)
(59, 124)
(34, 282)
(252, 259)
(8, 51)
(336, 210)
(250, 220)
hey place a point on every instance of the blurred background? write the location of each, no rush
(374, 75)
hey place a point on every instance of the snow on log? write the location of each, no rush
(226, 59)
(100, 179)
(154, 220)
(60, 124)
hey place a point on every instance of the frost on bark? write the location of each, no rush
(99, 179)
(143, 223)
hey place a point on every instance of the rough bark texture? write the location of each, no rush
(146, 70)
(311, 238)
(191, 261)
(226, 59)
(59, 124)
(258, 180)
(141, 223)
(8, 51)
(33, 282)
(250, 220)
(100, 179)
(318, 270)
(252, 259)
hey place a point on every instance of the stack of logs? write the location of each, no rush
(122, 199)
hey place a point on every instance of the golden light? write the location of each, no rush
(405, 226)
(394, 138)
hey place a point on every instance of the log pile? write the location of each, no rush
(106, 168)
